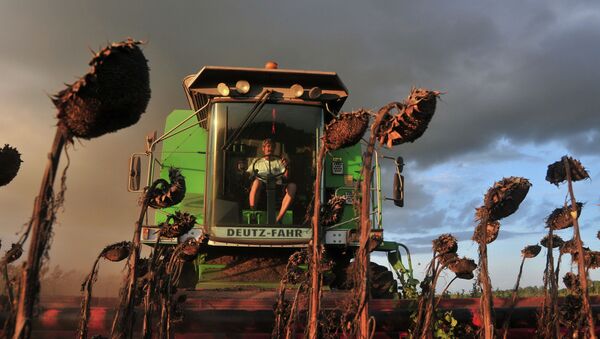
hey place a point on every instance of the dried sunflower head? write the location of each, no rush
(561, 218)
(463, 268)
(555, 240)
(492, 230)
(163, 194)
(116, 252)
(587, 255)
(592, 259)
(177, 225)
(557, 172)
(332, 212)
(189, 250)
(298, 258)
(112, 95)
(445, 243)
(570, 311)
(569, 246)
(294, 274)
(10, 162)
(346, 129)
(425, 284)
(531, 251)
(411, 120)
(14, 253)
(571, 281)
(504, 198)
(447, 258)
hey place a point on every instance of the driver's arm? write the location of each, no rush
(286, 169)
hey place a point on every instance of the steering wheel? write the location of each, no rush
(269, 175)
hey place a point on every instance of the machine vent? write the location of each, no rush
(199, 101)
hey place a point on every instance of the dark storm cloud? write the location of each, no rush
(585, 143)
(528, 75)
(532, 85)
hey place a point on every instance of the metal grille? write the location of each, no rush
(199, 101)
(337, 167)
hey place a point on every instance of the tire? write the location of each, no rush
(383, 284)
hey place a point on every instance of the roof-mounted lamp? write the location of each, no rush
(223, 89)
(314, 93)
(296, 90)
(242, 86)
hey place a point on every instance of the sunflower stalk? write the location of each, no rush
(429, 307)
(86, 287)
(587, 311)
(8, 285)
(363, 253)
(291, 276)
(424, 296)
(550, 310)
(153, 268)
(558, 261)
(164, 292)
(41, 230)
(9, 322)
(444, 291)
(315, 258)
(513, 301)
(122, 326)
(486, 305)
(289, 326)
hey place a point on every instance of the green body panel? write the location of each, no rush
(343, 184)
(187, 152)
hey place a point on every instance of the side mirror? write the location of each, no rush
(150, 139)
(398, 190)
(135, 173)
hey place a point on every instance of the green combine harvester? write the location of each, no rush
(219, 146)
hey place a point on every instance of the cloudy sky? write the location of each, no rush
(520, 81)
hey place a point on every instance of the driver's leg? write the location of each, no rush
(255, 192)
(290, 192)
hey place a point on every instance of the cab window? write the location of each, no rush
(292, 131)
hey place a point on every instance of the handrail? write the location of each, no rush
(378, 191)
(168, 133)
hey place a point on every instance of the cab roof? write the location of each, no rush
(202, 86)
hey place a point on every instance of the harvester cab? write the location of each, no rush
(248, 150)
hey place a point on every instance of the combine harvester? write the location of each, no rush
(220, 148)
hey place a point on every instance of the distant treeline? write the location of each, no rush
(524, 292)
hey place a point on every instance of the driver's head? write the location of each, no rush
(267, 146)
